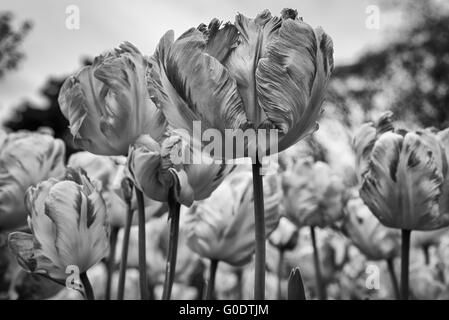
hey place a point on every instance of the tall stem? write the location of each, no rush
(170, 269)
(88, 291)
(425, 249)
(394, 279)
(259, 217)
(111, 261)
(279, 273)
(142, 247)
(316, 260)
(405, 258)
(211, 282)
(124, 259)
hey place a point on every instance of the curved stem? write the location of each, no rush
(111, 261)
(279, 273)
(211, 282)
(142, 247)
(88, 291)
(405, 258)
(170, 269)
(124, 259)
(394, 279)
(259, 218)
(316, 260)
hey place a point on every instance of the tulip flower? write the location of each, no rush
(26, 158)
(284, 237)
(107, 103)
(312, 194)
(406, 183)
(69, 225)
(374, 240)
(220, 228)
(266, 72)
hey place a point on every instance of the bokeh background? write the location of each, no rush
(401, 66)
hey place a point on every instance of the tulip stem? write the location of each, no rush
(170, 268)
(405, 257)
(394, 279)
(259, 218)
(142, 246)
(211, 282)
(124, 259)
(111, 261)
(425, 249)
(279, 273)
(88, 291)
(316, 260)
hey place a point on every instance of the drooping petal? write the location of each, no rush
(31, 258)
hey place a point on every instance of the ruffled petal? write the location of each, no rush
(285, 75)
(188, 85)
(255, 35)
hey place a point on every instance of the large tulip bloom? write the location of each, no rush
(107, 103)
(26, 158)
(267, 72)
(406, 184)
(374, 240)
(221, 228)
(312, 194)
(69, 225)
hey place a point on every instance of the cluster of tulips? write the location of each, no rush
(123, 210)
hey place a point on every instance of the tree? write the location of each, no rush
(409, 75)
(10, 41)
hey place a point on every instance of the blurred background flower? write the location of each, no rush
(26, 158)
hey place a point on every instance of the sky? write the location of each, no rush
(53, 49)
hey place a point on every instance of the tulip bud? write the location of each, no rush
(296, 286)
(69, 225)
(25, 159)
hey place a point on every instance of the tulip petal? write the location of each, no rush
(307, 122)
(255, 35)
(188, 84)
(31, 258)
(284, 77)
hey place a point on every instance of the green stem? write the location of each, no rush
(394, 279)
(405, 258)
(170, 269)
(279, 273)
(124, 259)
(111, 261)
(211, 282)
(316, 260)
(142, 246)
(259, 218)
(88, 291)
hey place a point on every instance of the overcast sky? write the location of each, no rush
(52, 49)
